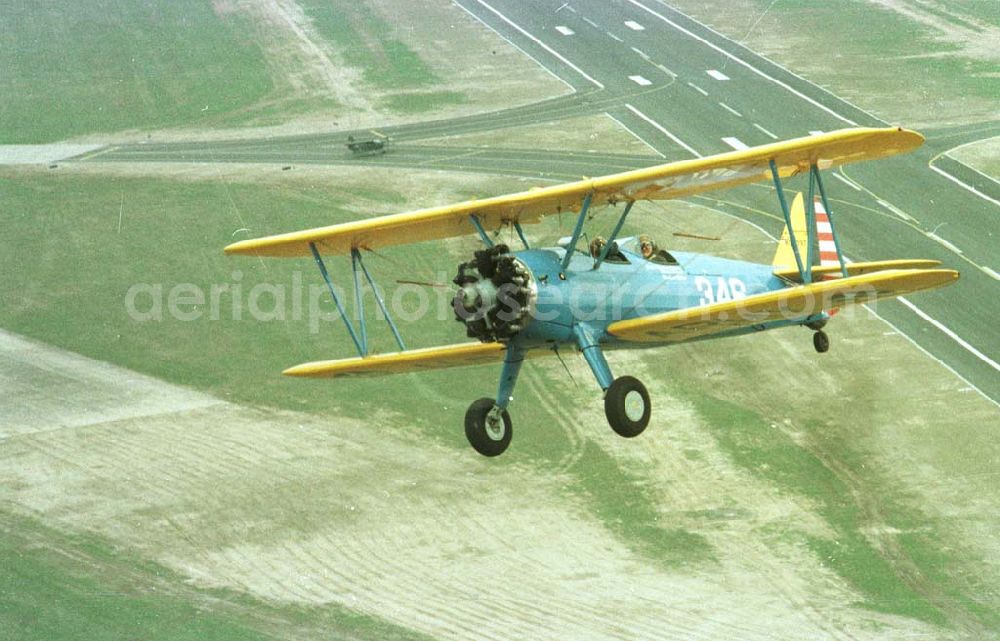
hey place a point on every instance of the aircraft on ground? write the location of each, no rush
(625, 292)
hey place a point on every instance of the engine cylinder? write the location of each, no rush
(496, 296)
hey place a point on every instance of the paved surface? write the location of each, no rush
(687, 91)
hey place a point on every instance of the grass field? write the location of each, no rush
(100, 66)
(921, 64)
(843, 492)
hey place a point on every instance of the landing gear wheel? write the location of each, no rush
(627, 406)
(821, 342)
(487, 427)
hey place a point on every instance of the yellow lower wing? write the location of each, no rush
(413, 360)
(793, 303)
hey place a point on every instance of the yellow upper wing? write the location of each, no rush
(672, 180)
(785, 304)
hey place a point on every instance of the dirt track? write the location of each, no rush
(295, 510)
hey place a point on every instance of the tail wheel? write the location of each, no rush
(488, 427)
(821, 342)
(627, 406)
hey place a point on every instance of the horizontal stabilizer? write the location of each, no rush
(857, 269)
(413, 360)
(792, 303)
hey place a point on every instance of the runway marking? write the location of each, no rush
(662, 130)
(749, 66)
(641, 53)
(896, 210)
(697, 88)
(592, 23)
(541, 44)
(513, 44)
(955, 337)
(963, 185)
(735, 143)
(639, 80)
(634, 26)
(816, 132)
(718, 75)
(730, 110)
(665, 70)
(611, 35)
(944, 242)
(566, 31)
(637, 136)
(847, 181)
(765, 131)
(990, 272)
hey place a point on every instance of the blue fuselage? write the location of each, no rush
(639, 287)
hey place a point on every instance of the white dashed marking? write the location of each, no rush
(697, 88)
(896, 210)
(634, 26)
(718, 75)
(846, 181)
(613, 36)
(591, 23)
(662, 130)
(566, 31)
(816, 132)
(735, 143)
(765, 131)
(666, 71)
(639, 80)
(730, 110)
(641, 53)
(944, 242)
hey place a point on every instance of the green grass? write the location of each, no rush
(72, 68)
(801, 469)
(622, 501)
(422, 101)
(57, 586)
(368, 42)
(54, 587)
(69, 290)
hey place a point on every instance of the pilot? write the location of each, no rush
(597, 246)
(647, 246)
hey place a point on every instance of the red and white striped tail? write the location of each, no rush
(824, 235)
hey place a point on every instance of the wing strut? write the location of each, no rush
(787, 214)
(614, 234)
(576, 231)
(356, 256)
(829, 216)
(813, 247)
(362, 348)
(479, 228)
(361, 344)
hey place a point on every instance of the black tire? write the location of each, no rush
(821, 342)
(621, 406)
(485, 439)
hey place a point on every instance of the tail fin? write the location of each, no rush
(784, 257)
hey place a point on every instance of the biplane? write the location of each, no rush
(622, 293)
